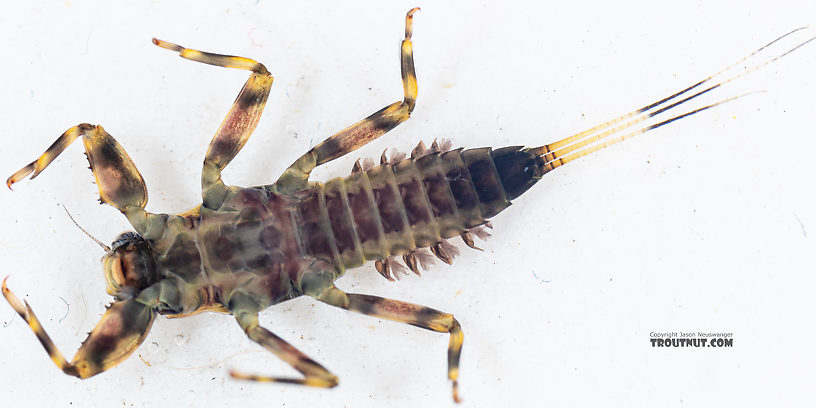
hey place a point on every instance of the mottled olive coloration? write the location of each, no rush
(245, 249)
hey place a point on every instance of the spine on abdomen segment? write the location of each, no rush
(393, 209)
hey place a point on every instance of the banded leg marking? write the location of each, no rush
(314, 374)
(121, 330)
(120, 183)
(404, 312)
(357, 135)
(240, 122)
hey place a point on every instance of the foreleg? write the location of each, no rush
(120, 183)
(122, 329)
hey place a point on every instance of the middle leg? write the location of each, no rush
(314, 375)
(239, 123)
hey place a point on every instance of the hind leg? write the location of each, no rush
(239, 123)
(355, 136)
(403, 312)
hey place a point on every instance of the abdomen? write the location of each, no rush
(395, 208)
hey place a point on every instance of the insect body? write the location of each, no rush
(245, 249)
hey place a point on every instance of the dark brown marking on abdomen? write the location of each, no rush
(440, 196)
(398, 236)
(486, 181)
(366, 216)
(417, 205)
(339, 212)
(315, 230)
(462, 188)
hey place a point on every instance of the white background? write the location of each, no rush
(707, 224)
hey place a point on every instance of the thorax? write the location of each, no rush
(248, 245)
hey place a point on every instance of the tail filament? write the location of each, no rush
(558, 153)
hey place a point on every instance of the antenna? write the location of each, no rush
(105, 247)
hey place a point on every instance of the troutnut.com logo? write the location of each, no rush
(691, 339)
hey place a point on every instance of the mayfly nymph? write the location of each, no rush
(243, 250)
